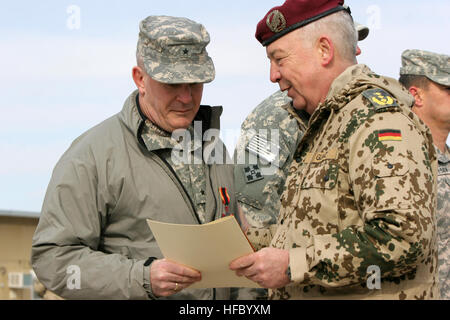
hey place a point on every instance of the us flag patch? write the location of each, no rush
(390, 135)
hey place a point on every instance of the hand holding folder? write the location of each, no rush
(208, 248)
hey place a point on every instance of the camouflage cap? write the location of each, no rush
(435, 67)
(363, 31)
(173, 50)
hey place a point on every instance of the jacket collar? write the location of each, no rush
(357, 79)
(135, 121)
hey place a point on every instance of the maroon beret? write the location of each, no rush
(294, 14)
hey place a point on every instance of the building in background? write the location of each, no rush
(17, 280)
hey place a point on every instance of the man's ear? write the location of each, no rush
(417, 93)
(138, 78)
(326, 50)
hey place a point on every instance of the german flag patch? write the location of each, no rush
(390, 135)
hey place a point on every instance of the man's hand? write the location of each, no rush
(244, 223)
(266, 267)
(168, 278)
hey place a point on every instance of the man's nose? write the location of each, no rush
(185, 93)
(358, 51)
(275, 75)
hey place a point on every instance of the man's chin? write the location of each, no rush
(298, 105)
(182, 125)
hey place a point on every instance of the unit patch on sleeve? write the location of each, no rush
(380, 99)
(252, 173)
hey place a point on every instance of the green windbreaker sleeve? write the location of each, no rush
(65, 248)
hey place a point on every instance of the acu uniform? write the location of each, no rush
(259, 184)
(443, 221)
(436, 67)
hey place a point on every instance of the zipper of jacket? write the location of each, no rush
(182, 186)
(216, 209)
(190, 200)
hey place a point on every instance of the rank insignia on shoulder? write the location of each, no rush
(390, 135)
(252, 173)
(380, 99)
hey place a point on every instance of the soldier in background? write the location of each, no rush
(427, 77)
(260, 183)
(357, 213)
(121, 173)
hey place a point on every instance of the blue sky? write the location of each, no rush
(58, 78)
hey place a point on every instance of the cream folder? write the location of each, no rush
(208, 248)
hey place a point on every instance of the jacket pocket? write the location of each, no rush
(389, 166)
(321, 175)
(317, 202)
(392, 182)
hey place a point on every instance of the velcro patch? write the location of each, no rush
(252, 173)
(390, 135)
(380, 99)
(321, 156)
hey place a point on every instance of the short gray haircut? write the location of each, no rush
(340, 28)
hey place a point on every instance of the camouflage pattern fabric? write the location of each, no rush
(361, 193)
(434, 66)
(174, 50)
(443, 221)
(260, 200)
(192, 175)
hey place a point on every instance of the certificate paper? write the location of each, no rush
(208, 248)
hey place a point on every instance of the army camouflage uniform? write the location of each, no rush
(443, 221)
(259, 198)
(174, 50)
(436, 67)
(361, 192)
(191, 175)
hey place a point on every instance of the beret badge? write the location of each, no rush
(276, 21)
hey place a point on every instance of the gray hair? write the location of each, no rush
(340, 28)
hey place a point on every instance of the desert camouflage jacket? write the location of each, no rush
(360, 198)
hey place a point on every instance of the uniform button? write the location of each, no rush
(390, 166)
(282, 221)
(326, 178)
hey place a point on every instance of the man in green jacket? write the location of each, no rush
(92, 241)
